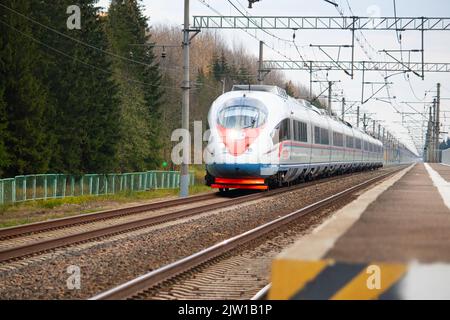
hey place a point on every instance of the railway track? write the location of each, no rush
(31, 248)
(33, 228)
(144, 286)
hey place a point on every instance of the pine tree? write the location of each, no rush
(153, 95)
(3, 124)
(24, 99)
(80, 78)
(289, 87)
(219, 67)
(208, 89)
(244, 76)
(139, 86)
(3, 118)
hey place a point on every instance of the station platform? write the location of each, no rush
(392, 242)
(442, 169)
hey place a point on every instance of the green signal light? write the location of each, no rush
(165, 164)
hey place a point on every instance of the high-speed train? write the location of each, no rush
(260, 138)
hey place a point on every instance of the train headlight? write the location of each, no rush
(236, 135)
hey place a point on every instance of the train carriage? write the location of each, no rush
(261, 137)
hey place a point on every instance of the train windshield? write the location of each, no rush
(242, 117)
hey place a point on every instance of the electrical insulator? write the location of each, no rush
(251, 2)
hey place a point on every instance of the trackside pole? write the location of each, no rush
(184, 174)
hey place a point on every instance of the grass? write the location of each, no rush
(41, 210)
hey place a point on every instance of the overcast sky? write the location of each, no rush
(436, 47)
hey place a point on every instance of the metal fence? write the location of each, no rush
(54, 186)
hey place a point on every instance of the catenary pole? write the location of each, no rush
(184, 174)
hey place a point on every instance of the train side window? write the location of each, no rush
(296, 131)
(317, 135)
(338, 139)
(321, 136)
(349, 142)
(324, 136)
(300, 131)
(358, 144)
(303, 132)
(285, 130)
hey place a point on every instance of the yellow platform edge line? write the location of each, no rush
(371, 282)
(290, 276)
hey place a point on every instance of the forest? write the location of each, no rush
(105, 97)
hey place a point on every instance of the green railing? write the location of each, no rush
(53, 186)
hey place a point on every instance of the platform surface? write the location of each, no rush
(442, 169)
(404, 222)
(409, 221)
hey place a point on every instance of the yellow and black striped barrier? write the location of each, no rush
(331, 280)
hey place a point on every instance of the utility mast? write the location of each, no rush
(260, 63)
(184, 174)
(437, 122)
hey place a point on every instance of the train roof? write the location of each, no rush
(264, 88)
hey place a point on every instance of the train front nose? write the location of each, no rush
(238, 154)
(239, 125)
(235, 170)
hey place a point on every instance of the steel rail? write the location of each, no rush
(155, 277)
(96, 216)
(263, 293)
